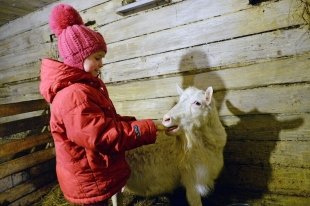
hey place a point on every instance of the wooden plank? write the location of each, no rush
(22, 116)
(235, 52)
(30, 186)
(268, 153)
(24, 97)
(256, 19)
(25, 72)
(273, 199)
(26, 88)
(173, 42)
(26, 161)
(26, 5)
(33, 54)
(101, 11)
(40, 17)
(14, 127)
(13, 12)
(6, 183)
(22, 107)
(103, 14)
(41, 35)
(16, 146)
(47, 166)
(25, 175)
(35, 196)
(265, 100)
(22, 41)
(233, 195)
(276, 71)
(175, 15)
(273, 179)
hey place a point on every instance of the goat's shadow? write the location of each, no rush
(247, 170)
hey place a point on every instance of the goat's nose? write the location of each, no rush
(166, 119)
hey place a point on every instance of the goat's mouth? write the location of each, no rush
(172, 129)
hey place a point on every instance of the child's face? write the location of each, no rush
(93, 63)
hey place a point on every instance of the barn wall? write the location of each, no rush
(255, 57)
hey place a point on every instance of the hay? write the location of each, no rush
(55, 198)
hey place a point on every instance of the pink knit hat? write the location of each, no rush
(75, 41)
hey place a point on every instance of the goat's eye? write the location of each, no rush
(197, 103)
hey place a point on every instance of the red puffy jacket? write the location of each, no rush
(90, 137)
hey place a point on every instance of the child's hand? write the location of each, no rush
(159, 125)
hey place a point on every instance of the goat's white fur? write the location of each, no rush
(192, 158)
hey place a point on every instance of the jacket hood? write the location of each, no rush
(56, 76)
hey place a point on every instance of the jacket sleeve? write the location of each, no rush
(88, 126)
(126, 118)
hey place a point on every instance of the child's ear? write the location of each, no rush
(208, 95)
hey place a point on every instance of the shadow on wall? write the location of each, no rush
(250, 141)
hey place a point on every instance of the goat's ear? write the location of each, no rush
(208, 94)
(179, 90)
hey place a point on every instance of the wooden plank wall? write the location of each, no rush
(255, 56)
(27, 157)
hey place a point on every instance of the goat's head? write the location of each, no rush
(190, 112)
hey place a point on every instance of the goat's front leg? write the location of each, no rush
(117, 199)
(192, 196)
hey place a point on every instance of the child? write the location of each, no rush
(90, 137)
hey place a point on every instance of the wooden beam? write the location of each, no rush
(25, 72)
(276, 71)
(271, 72)
(26, 188)
(136, 25)
(33, 54)
(16, 146)
(14, 127)
(266, 153)
(26, 161)
(22, 107)
(274, 179)
(211, 30)
(218, 55)
(25, 175)
(195, 33)
(254, 198)
(289, 99)
(35, 196)
(181, 13)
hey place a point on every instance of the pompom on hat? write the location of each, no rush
(75, 41)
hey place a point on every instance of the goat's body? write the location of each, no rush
(192, 159)
(161, 167)
(153, 168)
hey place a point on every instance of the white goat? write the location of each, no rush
(191, 156)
